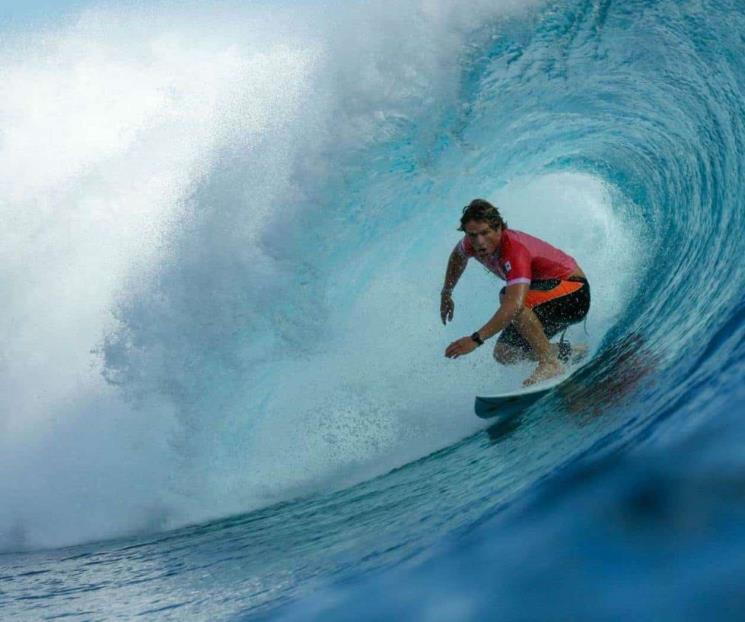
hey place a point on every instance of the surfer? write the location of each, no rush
(545, 292)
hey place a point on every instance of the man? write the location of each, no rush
(545, 292)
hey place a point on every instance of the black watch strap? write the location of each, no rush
(477, 338)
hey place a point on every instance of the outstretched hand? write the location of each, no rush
(462, 346)
(447, 308)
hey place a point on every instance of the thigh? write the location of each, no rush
(555, 315)
(559, 313)
(539, 291)
(511, 337)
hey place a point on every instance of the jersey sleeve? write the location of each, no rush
(464, 248)
(516, 264)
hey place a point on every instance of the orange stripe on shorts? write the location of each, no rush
(536, 297)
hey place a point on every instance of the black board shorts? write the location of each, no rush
(556, 309)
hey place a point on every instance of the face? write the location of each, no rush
(484, 239)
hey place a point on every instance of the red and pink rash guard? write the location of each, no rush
(521, 258)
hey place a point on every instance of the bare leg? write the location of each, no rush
(509, 355)
(530, 327)
(506, 354)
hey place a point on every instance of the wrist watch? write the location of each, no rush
(477, 338)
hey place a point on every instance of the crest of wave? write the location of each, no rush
(144, 152)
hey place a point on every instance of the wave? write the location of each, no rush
(182, 190)
(227, 231)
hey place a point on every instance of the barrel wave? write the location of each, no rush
(223, 387)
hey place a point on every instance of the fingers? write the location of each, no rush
(446, 311)
(461, 347)
(454, 350)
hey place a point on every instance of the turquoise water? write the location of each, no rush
(224, 395)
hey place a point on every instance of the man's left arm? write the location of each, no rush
(512, 304)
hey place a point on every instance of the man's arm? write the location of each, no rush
(456, 265)
(512, 304)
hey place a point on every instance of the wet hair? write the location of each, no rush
(481, 210)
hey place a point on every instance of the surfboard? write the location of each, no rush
(505, 405)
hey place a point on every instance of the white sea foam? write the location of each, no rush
(207, 308)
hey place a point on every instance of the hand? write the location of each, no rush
(447, 308)
(464, 345)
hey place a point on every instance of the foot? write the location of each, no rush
(575, 352)
(579, 351)
(544, 371)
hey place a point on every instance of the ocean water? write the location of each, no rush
(223, 394)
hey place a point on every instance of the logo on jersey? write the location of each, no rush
(507, 267)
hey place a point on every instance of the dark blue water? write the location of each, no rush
(223, 390)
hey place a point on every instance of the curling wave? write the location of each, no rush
(225, 242)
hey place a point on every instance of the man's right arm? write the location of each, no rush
(456, 265)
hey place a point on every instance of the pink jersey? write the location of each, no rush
(521, 258)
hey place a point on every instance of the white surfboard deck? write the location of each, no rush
(505, 405)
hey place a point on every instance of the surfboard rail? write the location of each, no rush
(506, 405)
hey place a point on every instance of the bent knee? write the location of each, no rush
(504, 354)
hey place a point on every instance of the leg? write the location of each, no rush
(531, 329)
(511, 347)
(507, 354)
(547, 318)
